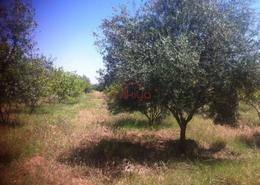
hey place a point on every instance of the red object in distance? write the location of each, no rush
(135, 91)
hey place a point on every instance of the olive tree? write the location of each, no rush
(192, 55)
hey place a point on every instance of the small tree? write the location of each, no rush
(191, 54)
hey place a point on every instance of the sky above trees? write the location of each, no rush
(65, 31)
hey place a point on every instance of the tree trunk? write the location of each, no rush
(182, 143)
(182, 122)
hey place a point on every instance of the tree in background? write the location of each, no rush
(16, 26)
(33, 80)
(88, 84)
(25, 77)
(192, 55)
(65, 85)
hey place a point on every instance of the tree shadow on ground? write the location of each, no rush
(7, 153)
(132, 123)
(110, 155)
(252, 141)
(12, 123)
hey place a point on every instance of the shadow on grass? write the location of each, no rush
(7, 153)
(110, 155)
(132, 123)
(252, 141)
(46, 109)
(43, 109)
(12, 123)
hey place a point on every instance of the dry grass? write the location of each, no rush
(84, 144)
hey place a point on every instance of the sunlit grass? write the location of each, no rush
(43, 130)
(58, 128)
(202, 173)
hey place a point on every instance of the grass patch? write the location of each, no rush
(78, 136)
(202, 173)
(41, 129)
(252, 141)
(137, 121)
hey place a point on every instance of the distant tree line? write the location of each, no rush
(25, 77)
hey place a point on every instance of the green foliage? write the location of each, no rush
(64, 85)
(188, 54)
(33, 80)
(16, 25)
(26, 78)
(154, 112)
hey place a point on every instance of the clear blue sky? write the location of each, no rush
(65, 30)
